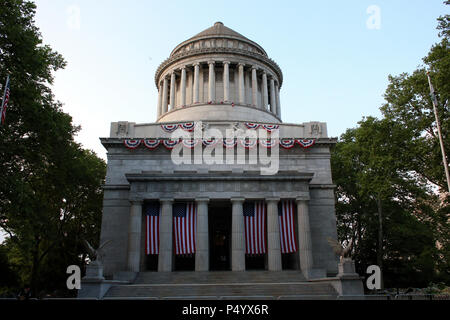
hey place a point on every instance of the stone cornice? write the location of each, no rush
(192, 53)
(211, 176)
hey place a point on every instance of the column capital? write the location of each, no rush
(211, 62)
(237, 200)
(166, 200)
(226, 62)
(202, 200)
(183, 67)
(304, 198)
(273, 199)
(196, 64)
(255, 68)
(136, 201)
(241, 64)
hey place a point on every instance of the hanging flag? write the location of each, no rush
(184, 227)
(132, 143)
(5, 101)
(152, 212)
(287, 228)
(255, 227)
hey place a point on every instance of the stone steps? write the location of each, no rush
(221, 285)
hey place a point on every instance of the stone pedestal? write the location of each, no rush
(350, 283)
(94, 270)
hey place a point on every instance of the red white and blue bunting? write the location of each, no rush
(269, 143)
(248, 143)
(306, 143)
(152, 143)
(169, 127)
(287, 143)
(270, 127)
(132, 143)
(229, 143)
(170, 144)
(188, 126)
(190, 143)
(251, 125)
(210, 142)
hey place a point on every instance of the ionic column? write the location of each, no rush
(273, 235)
(183, 86)
(134, 236)
(196, 82)
(160, 108)
(202, 240)
(254, 88)
(277, 95)
(273, 103)
(211, 82)
(237, 235)
(241, 84)
(164, 96)
(172, 91)
(265, 94)
(226, 81)
(304, 237)
(165, 236)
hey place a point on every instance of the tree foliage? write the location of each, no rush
(391, 186)
(50, 187)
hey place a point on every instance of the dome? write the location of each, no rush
(218, 30)
(219, 74)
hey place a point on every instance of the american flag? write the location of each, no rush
(255, 227)
(152, 211)
(184, 227)
(287, 228)
(5, 101)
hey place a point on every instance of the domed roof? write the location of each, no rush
(218, 30)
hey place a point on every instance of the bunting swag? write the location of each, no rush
(287, 143)
(250, 125)
(306, 143)
(210, 142)
(270, 127)
(188, 126)
(190, 143)
(269, 143)
(169, 127)
(255, 227)
(152, 143)
(170, 144)
(132, 144)
(152, 212)
(184, 227)
(229, 143)
(248, 144)
(287, 228)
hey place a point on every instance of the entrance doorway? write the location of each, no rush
(219, 217)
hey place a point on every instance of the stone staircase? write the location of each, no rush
(222, 285)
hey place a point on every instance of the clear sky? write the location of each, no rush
(335, 55)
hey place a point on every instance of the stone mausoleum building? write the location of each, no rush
(212, 84)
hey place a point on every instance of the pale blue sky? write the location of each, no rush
(335, 68)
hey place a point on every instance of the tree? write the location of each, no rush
(391, 182)
(50, 188)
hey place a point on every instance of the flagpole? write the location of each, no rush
(4, 96)
(444, 159)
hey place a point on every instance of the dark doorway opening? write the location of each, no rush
(185, 262)
(290, 261)
(151, 262)
(219, 217)
(255, 262)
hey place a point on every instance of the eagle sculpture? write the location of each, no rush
(96, 255)
(343, 252)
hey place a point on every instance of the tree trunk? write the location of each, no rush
(380, 240)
